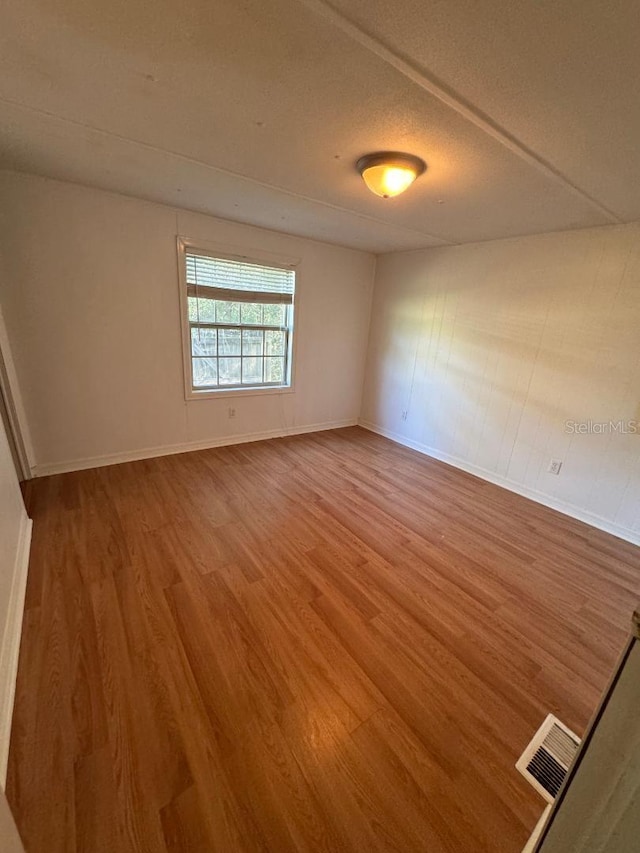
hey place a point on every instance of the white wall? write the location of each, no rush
(91, 307)
(599, 811)
(491, 347)
(15, 533)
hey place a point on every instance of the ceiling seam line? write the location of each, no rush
(455, 102)
(149, 146)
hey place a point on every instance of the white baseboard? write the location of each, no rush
(537, 832)
(571, 510)
(45, 469)
(11, 642)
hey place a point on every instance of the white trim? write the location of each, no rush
(247, 391)
(233, 253)
(537, 832)
(46, 469)
(14, 404)
(11, 641)
(590, 518)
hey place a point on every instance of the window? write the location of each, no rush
(240, 322)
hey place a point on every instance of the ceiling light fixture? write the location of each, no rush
(389, 173)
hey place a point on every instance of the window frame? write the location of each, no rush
(230, 253)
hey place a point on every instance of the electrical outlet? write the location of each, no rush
(554, 466)
(232, 412)
(404, 414)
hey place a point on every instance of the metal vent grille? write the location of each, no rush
(546, 760)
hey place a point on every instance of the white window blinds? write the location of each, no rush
(241, 281)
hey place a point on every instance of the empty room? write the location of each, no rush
(320, 426)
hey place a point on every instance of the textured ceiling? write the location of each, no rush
(528, 114)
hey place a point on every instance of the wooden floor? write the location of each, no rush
(320, 643)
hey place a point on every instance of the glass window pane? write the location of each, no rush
(193, 308)
(274, 343)
(228, 312)
(205, 372)
(229, 341)
(251, 371)
(206, 311)
(251, 313)
(203, 341)
(274, 315)
(252, 342)
(274, 370)
(229, 371)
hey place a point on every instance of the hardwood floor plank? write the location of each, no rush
(184, 824)
(131, 750)
(96, 804)
(325, 642)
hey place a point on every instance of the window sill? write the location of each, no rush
(249, 391)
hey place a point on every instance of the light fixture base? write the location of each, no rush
(392, 158)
